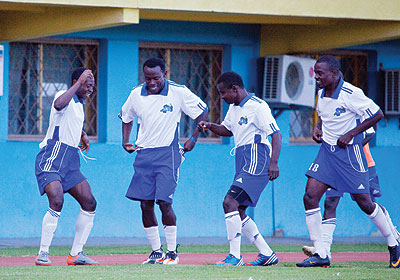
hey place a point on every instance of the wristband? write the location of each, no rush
(193, 139)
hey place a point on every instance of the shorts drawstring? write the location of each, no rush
(85, 156)
(233, 151)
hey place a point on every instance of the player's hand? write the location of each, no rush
(344, 140)
(203, 126)
(188, 146)
(86, 75)
(129, 147)
(84, 143)
(317, 134)
(273, 171)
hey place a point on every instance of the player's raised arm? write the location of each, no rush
(86, 79)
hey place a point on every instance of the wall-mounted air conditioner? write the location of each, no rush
(392, 92)
(288, 81)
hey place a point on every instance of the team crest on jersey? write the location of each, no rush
(167, 108)
(243, 120)
(339, 110)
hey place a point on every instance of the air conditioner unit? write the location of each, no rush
(288, 81)
(392, 92)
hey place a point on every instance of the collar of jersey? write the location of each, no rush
(164, 91)
(250, 95)
(335, 95)
(77, 99)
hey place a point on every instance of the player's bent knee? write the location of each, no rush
(88, 203)
(310, 202)
(165, 206)
(367, 208)
(365, 203)
(147, 208)
(228, 206)
(91, 205)
(56, 203)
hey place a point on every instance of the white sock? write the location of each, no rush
(314, 225)
(328, 227)
(170, 237)
(154, 237)
(250, 230)
(396, 234)
(379, 219)
(83, 226)
(49, 226)
(234, 231)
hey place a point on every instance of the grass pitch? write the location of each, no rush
(348, 270)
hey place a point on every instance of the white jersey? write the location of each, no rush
(250, 122)
(65, 125)
(369, 131)
(159, 114)
(344, 110)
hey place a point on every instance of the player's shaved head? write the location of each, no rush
(333, 62)
(230, 79)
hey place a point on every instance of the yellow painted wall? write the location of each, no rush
(354, 9)
(286, 25)
(60, 20)
(281, 39)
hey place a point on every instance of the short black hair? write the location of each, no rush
(332, 61)
(77, 73)
(154, 62)
(230, 79)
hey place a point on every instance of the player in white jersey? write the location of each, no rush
(158, 105)
(57, 168)
(344, 114)
(250, 121)
(332, 198)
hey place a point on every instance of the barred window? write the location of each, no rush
(301, 125)
(38, 70)
(198, 68)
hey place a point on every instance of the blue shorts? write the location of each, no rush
(343, 169)
(156, 174)
(252, 161)
(58, 162)
(374, 188)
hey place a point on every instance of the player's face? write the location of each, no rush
(227, 94)
(324, 76)
(154, 79)
(86, 89)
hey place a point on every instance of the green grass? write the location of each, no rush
(106, 250)
(348, 270)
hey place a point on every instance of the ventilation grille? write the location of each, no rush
(271, 78)
(392, 105)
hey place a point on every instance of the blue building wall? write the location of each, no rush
(4, 98)
(208, 170)
(388, 55)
